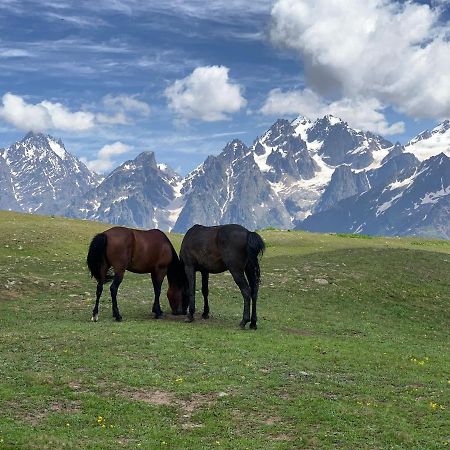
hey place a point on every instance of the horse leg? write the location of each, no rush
(239, 279)
(118, 277)
(97, 301)
(251, 277)
(157, 280)
(205, 292)
(190, 275)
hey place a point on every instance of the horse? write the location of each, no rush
(215, 250)
(137, 251)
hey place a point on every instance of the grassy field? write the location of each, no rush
(352, 349)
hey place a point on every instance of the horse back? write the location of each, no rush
(152, 251)
(138, 251)
(213, 248)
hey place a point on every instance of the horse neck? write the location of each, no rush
(175, 273)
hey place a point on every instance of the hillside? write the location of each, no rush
(352, 349)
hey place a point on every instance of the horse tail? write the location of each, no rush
(255, 247)
(96, 257)
(175, 270)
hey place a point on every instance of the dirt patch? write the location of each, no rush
(187, 407)
(35, 417)
(75, 386)
(272, 420)
(285, 396)
(153, 397)
(300, 332)
(71, 407)
(282, 437)
(8, 294)
(191, 425)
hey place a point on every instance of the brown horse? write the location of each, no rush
(139, 252)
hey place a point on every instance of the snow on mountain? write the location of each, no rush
(45, 177)
(319, 175)
(431, 143)
(414, 200)
(139, 193)
(230, 187)
(299, 159)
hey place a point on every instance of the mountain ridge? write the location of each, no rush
(287, 178)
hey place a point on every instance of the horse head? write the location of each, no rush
(178, 299)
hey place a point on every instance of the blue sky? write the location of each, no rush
(115, 77)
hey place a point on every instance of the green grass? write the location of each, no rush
(359, 361)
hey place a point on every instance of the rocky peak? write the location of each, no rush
(278, 132)
(146, 158)
(396, 150)
(234, 149)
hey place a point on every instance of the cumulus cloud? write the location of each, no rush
(105, 157)
(118, 118)
(362, 113)
(206, 94)
(24, 116)
(63, 119)
(46, 115)
(395, 52)
(122, 109)
(42, 116)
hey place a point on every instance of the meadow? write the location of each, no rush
(352, 349)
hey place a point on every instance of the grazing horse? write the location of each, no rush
(216, 249)
(139, 252)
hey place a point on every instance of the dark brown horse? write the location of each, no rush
(216, 249)
(137, 251)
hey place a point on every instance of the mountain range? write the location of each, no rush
(319, 175)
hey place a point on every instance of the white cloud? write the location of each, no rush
(395, 52)
(118, 118)
(105, 157)
(48, 115)
(24, 116)
(126, 103)
(63, 119)
(42, 116)
(206, 94)
(14, 53)
(365, 114)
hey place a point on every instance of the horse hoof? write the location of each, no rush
(158, 316)
(118, 318)
(253, 326)
(205, 316)
(242, 325)
(94, 318)
(189, 319)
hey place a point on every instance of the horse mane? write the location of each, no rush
(175, 270)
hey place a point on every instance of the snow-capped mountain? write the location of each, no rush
(230, 188)
(318, 175)
(430, 143)
(299, 159)
(41, 176)
(139, 193)
(415, 201)
(7, 198)
(291, 171)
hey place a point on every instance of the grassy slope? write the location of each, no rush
(360, 362)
